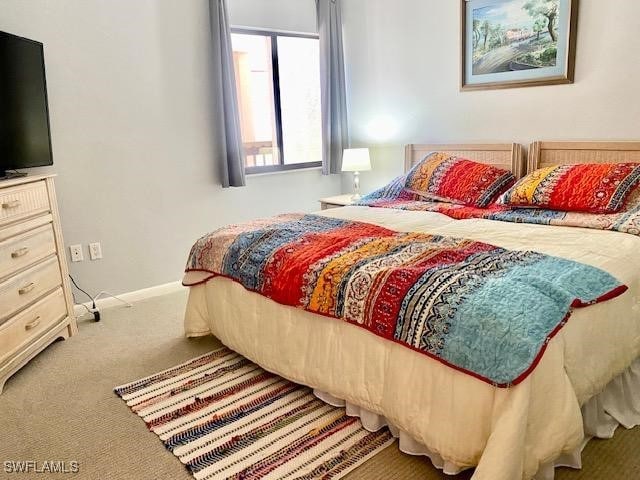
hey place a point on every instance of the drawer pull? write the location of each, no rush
(11, 204)
(33, 324)
(21, 252)
(26, 289)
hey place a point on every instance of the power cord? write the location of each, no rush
(93, 310)
(75, 302)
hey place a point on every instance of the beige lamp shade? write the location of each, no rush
(356, 160)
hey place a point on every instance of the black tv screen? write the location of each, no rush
(25, 139)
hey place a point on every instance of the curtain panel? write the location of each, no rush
(335, 131)
(229, 152)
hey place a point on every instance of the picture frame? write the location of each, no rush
(517, 43)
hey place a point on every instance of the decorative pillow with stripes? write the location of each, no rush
(394, 190)
(445, 178)
(591, 188)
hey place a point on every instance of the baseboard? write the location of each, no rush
(131, 297)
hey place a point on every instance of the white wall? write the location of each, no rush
(131, 126)
(292, 15)
(403, 62)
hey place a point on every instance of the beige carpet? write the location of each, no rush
(62, 407)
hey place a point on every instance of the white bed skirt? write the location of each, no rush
(618, 404)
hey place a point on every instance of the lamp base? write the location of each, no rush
(356, 187)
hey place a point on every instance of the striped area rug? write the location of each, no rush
(226, 418)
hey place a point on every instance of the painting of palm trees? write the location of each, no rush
(517, 40)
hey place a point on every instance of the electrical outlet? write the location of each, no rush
(95, 251)
(76, 253)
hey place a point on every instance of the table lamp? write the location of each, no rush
(356, 160)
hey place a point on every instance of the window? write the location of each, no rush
(278, 85)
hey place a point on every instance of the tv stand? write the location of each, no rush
(7, 175)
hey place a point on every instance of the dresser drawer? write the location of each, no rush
(22, 289)
(31, 323)
(23, 201)
(22, 250)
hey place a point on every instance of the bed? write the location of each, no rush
(583, 386)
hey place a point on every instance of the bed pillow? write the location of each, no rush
(445, 178)
(394, 190)
(591, 188)
(390, 191)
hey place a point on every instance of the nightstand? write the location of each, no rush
(337, 201)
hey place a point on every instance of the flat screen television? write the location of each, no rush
(25, 135)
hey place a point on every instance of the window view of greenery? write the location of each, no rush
(278, 87)
(515, 35)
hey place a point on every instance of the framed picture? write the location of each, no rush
(518, 43)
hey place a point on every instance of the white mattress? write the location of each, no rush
(507, 433)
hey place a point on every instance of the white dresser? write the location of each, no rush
(36, 306)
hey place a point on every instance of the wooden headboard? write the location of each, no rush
(503, 155)
(546, 154)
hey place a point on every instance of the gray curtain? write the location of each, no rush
(228, 142)
(335, 132)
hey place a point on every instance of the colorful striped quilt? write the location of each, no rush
(483, 310)
(395, 196)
